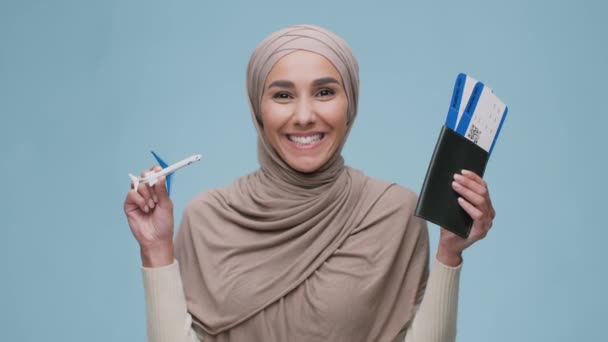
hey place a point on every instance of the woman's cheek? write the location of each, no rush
(280, 110)
(334, 112)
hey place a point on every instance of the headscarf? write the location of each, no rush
(280, 255)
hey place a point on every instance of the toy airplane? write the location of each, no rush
(152, 177)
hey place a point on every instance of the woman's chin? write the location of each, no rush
(305, 160)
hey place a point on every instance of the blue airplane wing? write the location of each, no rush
(164, 165)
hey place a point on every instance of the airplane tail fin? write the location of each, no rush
(163, 164)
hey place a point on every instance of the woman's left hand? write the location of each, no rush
(475, 200)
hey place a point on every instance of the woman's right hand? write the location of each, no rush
(149, 212)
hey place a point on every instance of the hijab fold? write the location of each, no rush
(282, 255)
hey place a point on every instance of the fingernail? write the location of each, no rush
(457, 176)
(146, 209)
(151, 203)
(155, 199)
(466, 172)
(456, 185)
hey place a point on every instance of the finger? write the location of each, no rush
(482, 190)
(478, 233)
(488, 225)
(473, 184)
(144, 190)
(475, 213)
(135, 200)
(480, 229)
(152, 189)
(475, 177)
(472, 175)
(161, 191)
(471, 196)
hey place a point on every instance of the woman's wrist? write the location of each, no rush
(157, 255)
(448, 257)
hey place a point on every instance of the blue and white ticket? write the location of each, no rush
(463, 88)
(483, 117)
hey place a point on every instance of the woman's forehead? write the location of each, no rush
(302, 65)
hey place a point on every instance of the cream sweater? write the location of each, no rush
(168, 319)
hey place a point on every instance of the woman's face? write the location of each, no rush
(304, 110)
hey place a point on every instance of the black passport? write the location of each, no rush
(438, 202)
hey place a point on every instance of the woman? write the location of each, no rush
(305, 248)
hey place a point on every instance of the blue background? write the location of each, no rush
(88, 88)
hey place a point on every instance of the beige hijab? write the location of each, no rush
(284, 256)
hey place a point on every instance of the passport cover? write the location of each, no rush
(438, 202)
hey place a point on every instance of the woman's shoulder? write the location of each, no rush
(393, 193)
(399, 197)
(217, 195)
(396, 203)
(400, 194)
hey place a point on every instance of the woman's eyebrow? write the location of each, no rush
(316, 83)
(282, 84)
(325, 80)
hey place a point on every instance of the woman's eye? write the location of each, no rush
(326, 92)
(281, 95)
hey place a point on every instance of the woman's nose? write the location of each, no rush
(305, 114)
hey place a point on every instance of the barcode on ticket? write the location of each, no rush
(474, 133)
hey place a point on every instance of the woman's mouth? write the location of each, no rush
(305, 141)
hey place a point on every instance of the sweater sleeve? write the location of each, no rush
(435, 319)
(167, 316)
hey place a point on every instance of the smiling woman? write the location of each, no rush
(304, 110)
(305, 248)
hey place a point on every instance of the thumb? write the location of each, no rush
(161, 190)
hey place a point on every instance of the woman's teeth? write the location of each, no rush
(305, 140)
